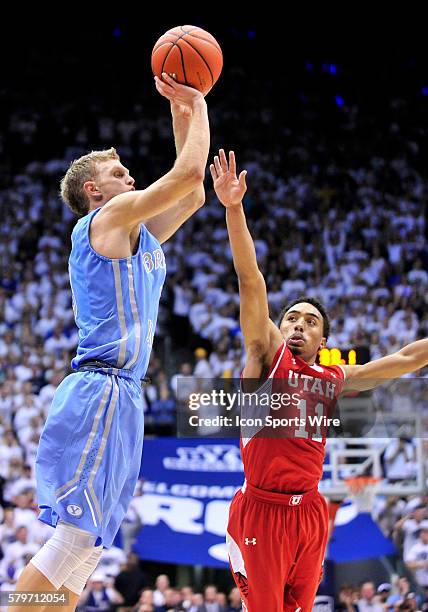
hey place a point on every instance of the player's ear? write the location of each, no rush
(91, 190)
(323, 343)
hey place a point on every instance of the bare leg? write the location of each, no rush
(31, 579)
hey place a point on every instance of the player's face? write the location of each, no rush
(302, 328)
(113, 179)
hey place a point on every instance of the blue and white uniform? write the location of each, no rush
(89, 455)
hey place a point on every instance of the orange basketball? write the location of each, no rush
(189, 54)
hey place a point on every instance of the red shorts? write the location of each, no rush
(276, 545)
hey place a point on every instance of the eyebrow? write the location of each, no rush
(311, 314)
(115, 168)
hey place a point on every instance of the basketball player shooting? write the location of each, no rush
(278, 521)
(89, 454)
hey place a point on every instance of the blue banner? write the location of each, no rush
(347, 543)
(188, 487)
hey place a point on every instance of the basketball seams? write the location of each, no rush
(182, 64)
(205, 61)
(188, 31)
(167, 42)
(165, 58)
(173, 43)
(210, 42)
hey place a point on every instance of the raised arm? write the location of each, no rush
(135, 207)
(409, 359)
(164, 225)
(262, 338)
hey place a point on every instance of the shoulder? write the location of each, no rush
(276, 342)
(81, 223)
(281, 357)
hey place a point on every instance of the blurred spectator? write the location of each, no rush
(186, 596)
(403, 588)
(202, 367)
(235, 604)
(211, 603)
(367, 601)
(162, 584)
(417, 556)
(145, 602)
(347, 602)
(408, 526)
(130, 580)
(383, 592)
(16, 552)
(400, 460)
(99, 594)
(197, 601)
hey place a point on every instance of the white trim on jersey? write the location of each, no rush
(343, 371)
(271, 375)
(265, 387)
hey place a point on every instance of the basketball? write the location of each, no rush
(190, 55)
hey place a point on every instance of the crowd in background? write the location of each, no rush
(336, 204)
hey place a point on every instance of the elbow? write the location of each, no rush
(199, 201)
(192, 175)
(250, 278)
(197, 175)
(245, 279)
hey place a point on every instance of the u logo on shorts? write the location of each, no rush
(296, 500)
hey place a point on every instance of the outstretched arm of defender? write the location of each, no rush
(409, 359)
(261, 336)
(131, 208)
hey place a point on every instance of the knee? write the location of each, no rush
(76, 582)
(66, 550)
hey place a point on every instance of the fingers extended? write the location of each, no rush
(223, 161)
(217, 166)
(213, 172)
(232, 162)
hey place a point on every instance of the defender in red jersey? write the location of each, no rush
(278, 522)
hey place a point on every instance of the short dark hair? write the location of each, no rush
(318, 305)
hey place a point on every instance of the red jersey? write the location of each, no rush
(290, 459)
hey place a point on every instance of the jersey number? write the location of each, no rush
(302, 431)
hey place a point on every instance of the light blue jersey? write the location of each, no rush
(115, 301)
(89, 455)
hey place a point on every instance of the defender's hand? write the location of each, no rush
(229, 189)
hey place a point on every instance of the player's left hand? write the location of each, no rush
(229, 188)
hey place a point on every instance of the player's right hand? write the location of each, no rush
(229, 188)
(177, 93)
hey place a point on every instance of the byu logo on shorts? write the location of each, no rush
(74, 510)
(296, 500)
(252, 541)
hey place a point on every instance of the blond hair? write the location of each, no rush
(82, 170)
